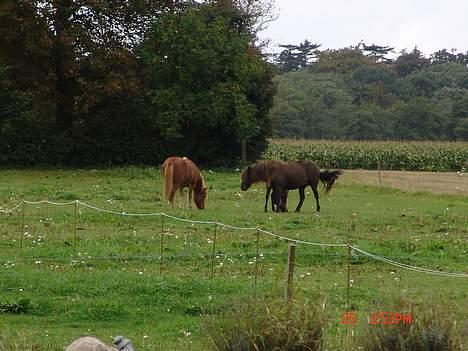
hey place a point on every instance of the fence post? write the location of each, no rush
(379, 168)
(214, 249)
(348, 284)
(22, 223)
(161, 245)
(290, 271)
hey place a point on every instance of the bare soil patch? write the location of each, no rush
(440, 183)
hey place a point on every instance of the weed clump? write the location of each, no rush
(269, 325)
(433, 331)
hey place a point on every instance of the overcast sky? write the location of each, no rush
(428, 24)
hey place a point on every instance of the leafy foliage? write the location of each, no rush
(98, 82)
(208, 90)
(358, 93)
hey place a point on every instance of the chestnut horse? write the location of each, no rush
(263, 172)
(180, 173)
(283, 176)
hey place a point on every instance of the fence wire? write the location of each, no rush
(77, 203)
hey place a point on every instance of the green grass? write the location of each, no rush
(107, 280)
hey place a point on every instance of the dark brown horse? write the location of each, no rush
(263, 172)
(180, 173)
(284, 176)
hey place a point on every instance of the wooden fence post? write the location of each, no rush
(348, 284)
(290, 271)
(379, 168)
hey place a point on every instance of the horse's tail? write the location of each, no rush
(168, 173)
(328, 178)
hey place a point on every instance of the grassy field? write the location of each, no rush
(108, 278)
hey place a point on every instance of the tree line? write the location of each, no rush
(92, 82)
(361, 93)
(95, 82)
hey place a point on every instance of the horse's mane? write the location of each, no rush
(200, 184)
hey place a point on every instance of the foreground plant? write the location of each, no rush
(269, 325)
(433, 331)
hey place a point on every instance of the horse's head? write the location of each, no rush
(199, 198)
(246, 176)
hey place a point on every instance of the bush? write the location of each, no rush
(434, 331)
(271, 325)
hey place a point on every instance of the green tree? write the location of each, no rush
(460, 118)
(50, 46)
(408, 62)
(377, 52)
(374, 83)
(209, 87)
(444, 56)
(419, 119)
(342, 61)
(295, 57)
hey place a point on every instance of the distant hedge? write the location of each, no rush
(391, 155)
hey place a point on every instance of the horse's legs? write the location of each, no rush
(190, 196)
(266, 200)
(301, 199)
(284, 197)
(314, 189)
(172, 196)
(277, 191)
(181, 197)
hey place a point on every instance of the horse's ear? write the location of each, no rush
(249, 170)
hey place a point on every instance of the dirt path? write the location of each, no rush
(441, 183)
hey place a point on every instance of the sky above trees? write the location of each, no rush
(430, 25)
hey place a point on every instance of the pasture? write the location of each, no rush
(64, 274)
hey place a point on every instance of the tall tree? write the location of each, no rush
(295, 57)
(209, 86)
(377, 52)
(56, 39)
(409, 62)
(445, 56)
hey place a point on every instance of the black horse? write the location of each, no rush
(262, 172)
(283, 176)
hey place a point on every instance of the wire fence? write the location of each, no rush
(76, 219)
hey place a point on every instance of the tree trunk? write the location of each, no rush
(244, 152)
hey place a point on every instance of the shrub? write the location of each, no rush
(271, 325)
(433, 331)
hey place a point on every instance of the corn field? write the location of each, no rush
(389, 155)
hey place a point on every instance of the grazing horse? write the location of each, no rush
(180, 173)
(263, 172)
(283, 176)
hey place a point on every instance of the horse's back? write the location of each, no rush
(297, 174)
(310, 167)
(185, 171)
